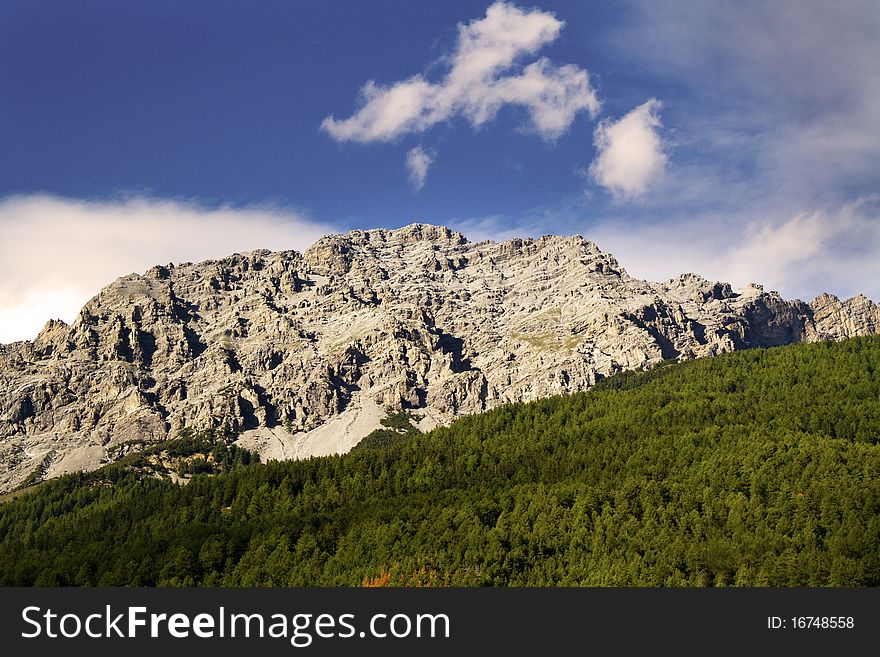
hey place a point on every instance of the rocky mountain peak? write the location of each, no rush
(303, 354)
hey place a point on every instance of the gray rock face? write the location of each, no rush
(302, 354)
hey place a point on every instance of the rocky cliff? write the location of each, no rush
(303, 354)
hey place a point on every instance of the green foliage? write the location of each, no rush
(399, 427)
(754, 468)
(402, 421)
(38, 473)
(192, 452)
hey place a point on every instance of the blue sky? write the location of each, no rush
(738, 140)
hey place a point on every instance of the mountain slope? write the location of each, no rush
(753, 468)
(304, 354)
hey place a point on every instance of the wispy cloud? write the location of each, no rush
(774, 119)
(57, 253)
(780, 96)
(629, 151)
(418, 161)
(494, 227)
(483, 76)
(833, 250)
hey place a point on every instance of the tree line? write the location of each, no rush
(753, 468)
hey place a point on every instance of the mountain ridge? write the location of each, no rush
(300, 354)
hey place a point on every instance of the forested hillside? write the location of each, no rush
(758, 467)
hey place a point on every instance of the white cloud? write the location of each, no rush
(630, 153)
(494, 227)
(417, 164)
(480, 80)
(772, 250)
(806, 253)
(793, 87)
(57, 253)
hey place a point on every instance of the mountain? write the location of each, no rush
(304, 354)
(754, 468)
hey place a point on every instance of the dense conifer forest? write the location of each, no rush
(753, 468)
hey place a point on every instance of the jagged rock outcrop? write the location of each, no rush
(302, 354)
